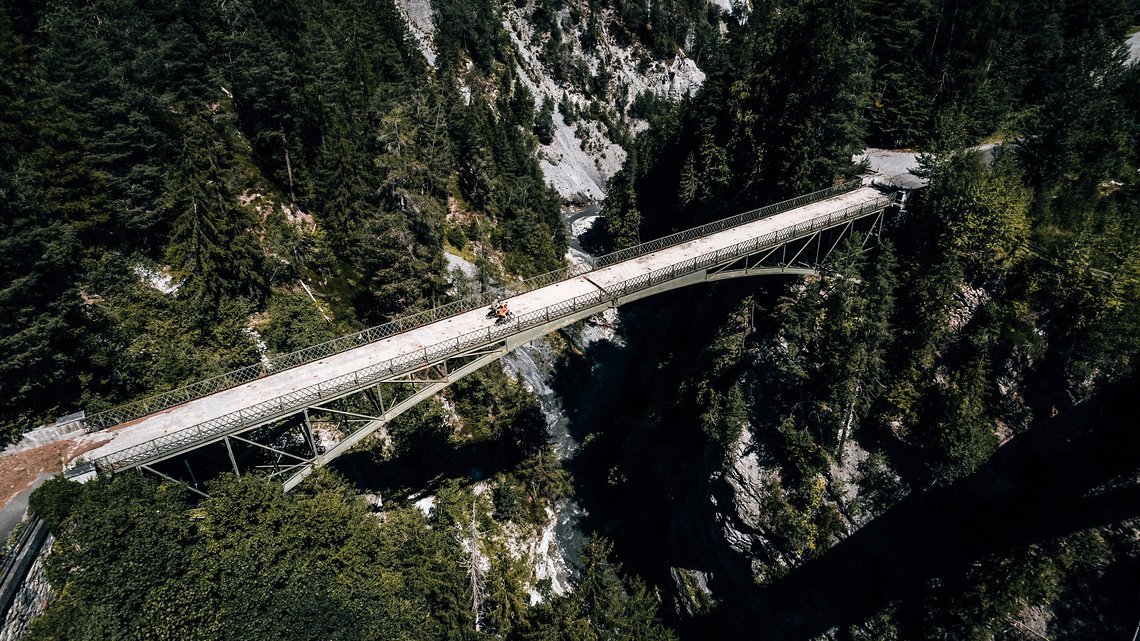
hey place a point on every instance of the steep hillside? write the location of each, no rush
(880, 452)
(586, 79)
(593, 120)
(234, 172)
(929, 439)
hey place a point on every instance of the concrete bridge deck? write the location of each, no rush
(162, 424)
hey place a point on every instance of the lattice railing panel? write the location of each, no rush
(206, 387)
(287, 404)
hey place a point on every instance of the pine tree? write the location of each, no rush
(212, 249)
(622, 217)
(900, 115)
(544, 122)
(796, 113)
(690, 184)
(714, 176)
(52, 208)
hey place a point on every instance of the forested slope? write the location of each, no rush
(927, 441)
(240, 149)
(243, 152)
(997, 319)
(188, 187)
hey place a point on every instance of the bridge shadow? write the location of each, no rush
(1056, 479)
(643, 481)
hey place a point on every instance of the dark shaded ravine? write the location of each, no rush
(639, 471)
(1041, 485)
(647, 488)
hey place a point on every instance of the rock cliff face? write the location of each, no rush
(735, 520)
(727, 522)
(746, 477)
(582, 157)
(32, 598)
(712, 530)
(583, 153)
(418, 15)
(737, 491)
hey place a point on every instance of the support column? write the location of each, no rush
(193, 479)
(233, 459)
(376, 395)
(172, 480)
(307, 427)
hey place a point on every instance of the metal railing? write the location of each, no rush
(165, 400)
(724, 223)
(285, 405)
(206, 387)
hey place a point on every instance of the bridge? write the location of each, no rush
(292, 414)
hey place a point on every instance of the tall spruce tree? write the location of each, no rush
(52, 208)
(212, 248)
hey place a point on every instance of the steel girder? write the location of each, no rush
(805, 255)
(293, 465)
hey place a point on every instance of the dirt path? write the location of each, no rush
(22, 472)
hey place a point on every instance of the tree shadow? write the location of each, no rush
(596, 240)
(427, 467)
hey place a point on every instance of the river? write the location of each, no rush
(579, 222)
(535, 365)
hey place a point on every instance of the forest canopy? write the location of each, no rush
(242, 151)
(189, 187)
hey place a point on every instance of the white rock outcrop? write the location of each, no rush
(581, 158)
(420, 19)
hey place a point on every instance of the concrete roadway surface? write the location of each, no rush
(227, 401)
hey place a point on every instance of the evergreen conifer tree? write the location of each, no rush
(212, 249)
